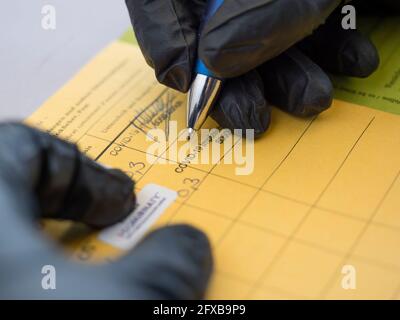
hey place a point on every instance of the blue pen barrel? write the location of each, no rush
(212, 7)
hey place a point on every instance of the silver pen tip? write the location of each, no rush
(190, 133)
(202, 96)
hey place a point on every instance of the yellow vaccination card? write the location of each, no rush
(320, 205)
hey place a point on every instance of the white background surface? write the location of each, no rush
(35, 63)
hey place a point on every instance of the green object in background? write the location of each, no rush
(129, 37)
(382, 89)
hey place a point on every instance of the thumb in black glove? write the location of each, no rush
(44, 177)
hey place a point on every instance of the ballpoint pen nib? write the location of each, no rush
(202, 96)
(190, 133)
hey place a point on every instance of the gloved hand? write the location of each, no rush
(254, 44)
(42, 176)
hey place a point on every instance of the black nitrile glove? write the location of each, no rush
(42, 176)
(253, 43)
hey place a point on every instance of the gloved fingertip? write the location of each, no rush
(125, 187)
(178, 77)
(104, 196)
(193, 243)
(297, 85)
(263, 118)
(166, 32)
(190, 256)
(312, 97)
(343, 52)
(359, 57)
(173, 262)
(242, 105)
(197, 239)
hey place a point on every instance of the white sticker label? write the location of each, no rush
(152, 201)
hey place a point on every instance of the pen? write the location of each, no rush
(205, 87)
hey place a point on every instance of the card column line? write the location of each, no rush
(331, 282)
(236, 219)
(202, 181)
(300, 241)
(273, 232)
(159, 157)
(344, 214)
(268, 178)
(124, 129)
(302, 221)
(325, 209)
(165, 151)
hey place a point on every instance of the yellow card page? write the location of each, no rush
(323, 199)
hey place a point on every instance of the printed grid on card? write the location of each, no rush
(325, 192)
